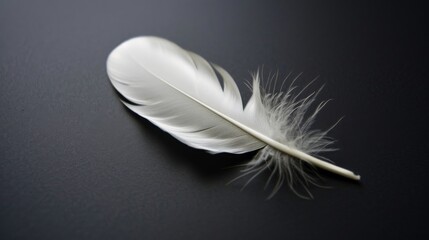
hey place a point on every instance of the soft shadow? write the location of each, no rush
(205, 165)
(210, 167)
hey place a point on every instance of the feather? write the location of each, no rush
(181, 93)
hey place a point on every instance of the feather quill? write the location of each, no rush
(180, 92)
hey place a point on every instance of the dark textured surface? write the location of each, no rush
(75, 164)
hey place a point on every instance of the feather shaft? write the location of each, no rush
(275, 144)
(293, 152)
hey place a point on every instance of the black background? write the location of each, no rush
(76, 164)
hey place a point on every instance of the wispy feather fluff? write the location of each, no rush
(181, 93)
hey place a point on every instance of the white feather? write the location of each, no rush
(180, 92)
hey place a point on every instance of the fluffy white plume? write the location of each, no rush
(180, 92)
